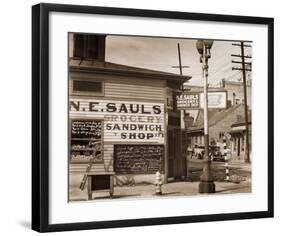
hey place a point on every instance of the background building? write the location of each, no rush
(238, 139)
(236, 91)
(220, 122)
(224, 124)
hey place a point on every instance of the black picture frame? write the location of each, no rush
(40, 116)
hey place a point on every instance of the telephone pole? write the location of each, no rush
(244, 69)
(183, 126)
(180, 66)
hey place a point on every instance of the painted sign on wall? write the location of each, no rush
(123, 120)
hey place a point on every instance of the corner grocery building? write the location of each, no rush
(130, 111)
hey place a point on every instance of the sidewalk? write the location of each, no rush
(238, 168)
(168, 190)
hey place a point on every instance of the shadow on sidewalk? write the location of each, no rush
(232, 188)
(170, 193)
(118, 196)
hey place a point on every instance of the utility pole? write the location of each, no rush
(182, 112)
(244, 69)
(180, 66)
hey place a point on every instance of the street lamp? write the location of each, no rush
(207, 182)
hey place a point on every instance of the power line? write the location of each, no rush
(237, 55)
(233, 75)
(221, 70)
(244, 45)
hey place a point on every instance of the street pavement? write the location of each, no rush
(181, 188)
(236, 168)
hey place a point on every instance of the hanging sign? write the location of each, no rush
(188, 101)
(195, 100)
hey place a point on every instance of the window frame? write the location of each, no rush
(87, 93)
(85, 41)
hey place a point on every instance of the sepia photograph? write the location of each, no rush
(145, 117)
(158, 117)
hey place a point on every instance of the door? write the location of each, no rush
(171, 153)
(238, 147)
(175, 158)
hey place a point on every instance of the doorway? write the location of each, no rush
(176, 163)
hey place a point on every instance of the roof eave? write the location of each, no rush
(179, 78)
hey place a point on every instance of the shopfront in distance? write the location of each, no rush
(131, 112)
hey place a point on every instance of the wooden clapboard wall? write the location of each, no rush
(118, 88)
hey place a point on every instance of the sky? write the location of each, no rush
(162, 53)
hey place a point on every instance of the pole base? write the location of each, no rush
(207, 187)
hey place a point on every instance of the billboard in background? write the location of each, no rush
(216, 99)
